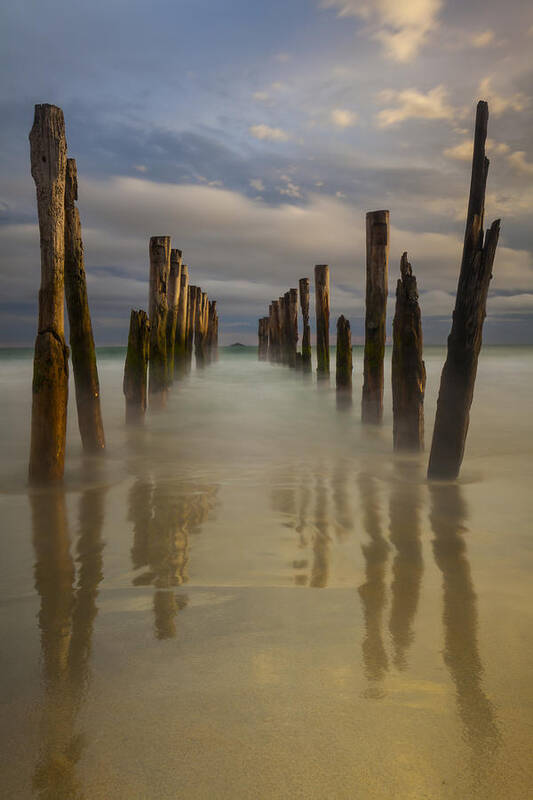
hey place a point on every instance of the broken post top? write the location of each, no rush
(48, 143)
(175, 257)
(304, 283)
(160, 243)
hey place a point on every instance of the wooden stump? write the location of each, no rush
(191, 313)
(180, 341)
(48, 148)
(135, 369)
(343, 377)
(408, 370)
(322, 319)
(81, 331)
(274, 334)
(377, 262)
(464, 342)
(212, 331)
(200, 329)
(173, 298)
(306, 334)
(262, 332)
(159, 275)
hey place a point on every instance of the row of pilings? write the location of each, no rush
(182, 322)
(278, 332)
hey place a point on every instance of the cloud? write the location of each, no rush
(483, 38)
(412, 104)
(291, 189)
(463, 151)
(499, 103)
(270, 134)
(257, 183)
(343, 118)
(401, 27)
(519, 163)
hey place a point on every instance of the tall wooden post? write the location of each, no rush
(282, 331)
(306, 334)
(343, 377)
(200, 328)
(211, 330)
(180, 341)
(408, 370)
(262, 333)
(159, 275)
(191, 314)
(322, 319)
(173, 298)
(377, 263)
(48, 148)
(274, 334)
(79, 317)
(464, 342)
(214, 355)
(293, 325)
(136, 366)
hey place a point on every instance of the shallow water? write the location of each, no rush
(252, 597)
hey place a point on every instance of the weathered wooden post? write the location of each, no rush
(273, 333)
(48, 149)
(306, 334)
(211, 330)
(200, 328)
(173, 298)
(322, 319)
(79, 317)
(215, 337)
(191, 314)
(282, 330)
(136, 366)
(377, 262)
(343, 377)
(408, 370)
(464, 342)
(158, 309)
(262, 333)
(180, 341)
(293, 325)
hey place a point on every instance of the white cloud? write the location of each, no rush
(463, 151)
(402, 27)
(257, 183)
(498, 103)
(412, 104)
(343, 118)
(483, 38)
(270, 134)
(519, 163)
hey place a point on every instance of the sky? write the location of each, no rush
(257, 135)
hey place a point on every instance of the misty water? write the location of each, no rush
(252, 597)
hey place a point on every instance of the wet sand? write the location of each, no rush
(252, 597)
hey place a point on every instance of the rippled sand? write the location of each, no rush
(252, 597)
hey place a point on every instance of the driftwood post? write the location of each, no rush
(408, 370)
(48, 148)
(464, 342)
(79, 317)
(135, 369)
(262, 332)
(306, 334)
(322, 319)
(343, 377)
(377, 262)
(159, 274)
(173, 298)
(180, 342)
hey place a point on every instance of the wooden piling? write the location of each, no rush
(343, 376)
(81, 331)
(377, 262)
(191, 314)
(306, 331)
(180, 341)
(200, 328)
(322, 319)
(464, 342)
(136, 367)
(173, 298)
(262, 333)
(48, 150)
(408, 370)
(274, 334)
(158, 309)
(292, 321)
(282, 331)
